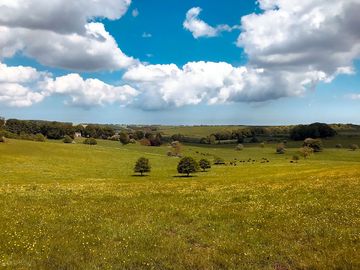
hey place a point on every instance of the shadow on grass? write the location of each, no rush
(139, 175)
(184, 176)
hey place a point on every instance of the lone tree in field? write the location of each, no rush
(354, 147)
(142, 166)
(204, 164)
(187, 165)
(67, 139)
(124, 138)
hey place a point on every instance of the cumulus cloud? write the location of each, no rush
(17, 84)
(24, 86)
(59, 33)
(89, 92)
(164, 86)
(302, 36)
(199, 28)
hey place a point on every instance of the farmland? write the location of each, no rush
(74, 206)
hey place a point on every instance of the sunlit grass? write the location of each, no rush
(79, 207)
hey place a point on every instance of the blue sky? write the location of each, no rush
(234, 62)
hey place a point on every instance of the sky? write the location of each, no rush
(189, 62)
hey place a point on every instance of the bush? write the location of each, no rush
(262, 145)
(2, 139)
(204, 164)
(124, 138)
(219, 161)
(67, 139)
(145, 142)
(90, 141)
(306, 151)
(354, 147)
(315, 144)
(39, 138)
(338, 146)
(239, 147)
(187, 165)
(142, 166)
(280, 148)
(295, 158)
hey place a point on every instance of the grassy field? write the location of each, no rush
(80, 207)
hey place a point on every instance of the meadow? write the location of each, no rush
(74, 206)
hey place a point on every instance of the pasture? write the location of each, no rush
(80, 207)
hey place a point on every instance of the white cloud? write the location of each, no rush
(24, 86)
(303, 36)
(17, 84)
(58, 33)
(354, 96)
(163, 86)
(135, 12)
(199, 28)
(146, 35)
(89, 92)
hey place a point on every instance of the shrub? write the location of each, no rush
(187, 165)
(67, 139)
(204, 164)
(280, 148)
(338, 146)
(354, 147)
(90, 141)
(175, 149)
(39, 137)
(262, 145)
(315, 144)
(124, 138)
(306, 151)
(145, 142)
(2, 139)
(219, 161)
(239, 147)
(142, 166)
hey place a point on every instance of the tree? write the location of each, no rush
(142, 166)
(315, 144)
(187, 165)
(306, 151)
(315, 130)
(239, 147)
(204, 164)
(354, 147)
(124, 138)
(39, 138)
(67, 139)
(280, 148)
(138, 135)
(90, 141)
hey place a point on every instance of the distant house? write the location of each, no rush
(77, 134)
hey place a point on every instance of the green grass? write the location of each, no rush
(80, 207)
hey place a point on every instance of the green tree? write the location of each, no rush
(39, 138)
(90, 141)
(142, 166)
(187, 165)
(67, 139)
(204, 164)
(124, 138)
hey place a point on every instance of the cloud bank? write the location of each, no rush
(61, 34)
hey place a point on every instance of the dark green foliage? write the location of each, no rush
(98, 132)
(142, 166)
(124, 138)
(315, 144)
(354, 147)
(138, 135)
(280, 148)
(39, 137)
(187, 165)
(67, 139)
(204, 164)
(316, 130)
(219, 161)
(254, 140)
(90, 141)
(154, 139)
